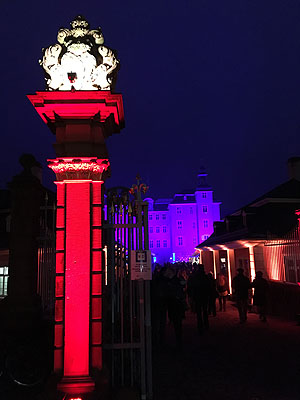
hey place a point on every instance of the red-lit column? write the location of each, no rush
(78, 311)
(81, 121)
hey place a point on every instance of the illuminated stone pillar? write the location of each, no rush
(81, 122)
(82, 112)
(78, 313)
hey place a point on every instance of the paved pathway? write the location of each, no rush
(231, 361)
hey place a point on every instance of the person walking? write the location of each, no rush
(260, 286)
(213, 294)
(175, 296)
(159, 306)
(241, 286)
(222, 289)
(199, 287)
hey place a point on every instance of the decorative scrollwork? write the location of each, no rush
(83, 168)
(79, 61)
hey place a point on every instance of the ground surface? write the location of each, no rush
(252, 361)
(231, 361)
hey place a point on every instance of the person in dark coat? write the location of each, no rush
(175, 297)
(158, 306)
(260, 286)
(200, 287)
(213, 294)
(241, 286)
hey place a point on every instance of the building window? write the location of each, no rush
(158, 243)
(164, 216)
(184, 198)
(180, 241)
(203, 195)
(157, 217)
(194, 225)
(204, 209)
(165, 243)
(150, 217)
(3, 281)
(179, 224)
(151, 229)
(204, 237)
(157, 229)
(191, 210)
(178, 210)
(164, 229)
(151, 244)
(205, 223)
(194, 240)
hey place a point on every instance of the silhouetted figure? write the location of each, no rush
(199, 286)
(159, 306)
(213, 294)
(222, 288)
(189, 287)
(175, 303)
(241, 286)
(260, 286)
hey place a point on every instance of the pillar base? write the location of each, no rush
(76, 385)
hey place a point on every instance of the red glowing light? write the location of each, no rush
(79, 104)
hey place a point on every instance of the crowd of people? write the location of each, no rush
(179, 287)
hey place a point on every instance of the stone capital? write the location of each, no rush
(83, 168)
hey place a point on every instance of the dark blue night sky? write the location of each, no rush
(213, 83)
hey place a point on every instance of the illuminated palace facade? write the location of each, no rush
(177, 225)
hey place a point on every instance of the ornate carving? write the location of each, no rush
(79, 168)
(79, 61)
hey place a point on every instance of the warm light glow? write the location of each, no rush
(274, 260)
(200, 257)
(105, 265)
(215, 263)
(229, 271)
(252, 263)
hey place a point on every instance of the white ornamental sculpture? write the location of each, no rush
(79, 61)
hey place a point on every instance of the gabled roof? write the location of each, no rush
(273, 212)
(286, 192)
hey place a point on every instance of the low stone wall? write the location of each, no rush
(284, 299)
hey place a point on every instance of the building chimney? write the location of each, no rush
(294, 168)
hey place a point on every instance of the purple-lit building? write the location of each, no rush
(178, 225)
